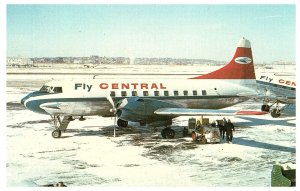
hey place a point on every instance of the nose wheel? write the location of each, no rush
(56, 134)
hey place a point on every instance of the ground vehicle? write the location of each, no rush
(283, 175)
(201, 130)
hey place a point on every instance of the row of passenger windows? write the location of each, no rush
(157, 93)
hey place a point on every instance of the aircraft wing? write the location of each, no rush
(275, 93)
(173, 112)
(276, 98)
(192, 112)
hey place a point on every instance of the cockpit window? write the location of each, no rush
(44, 88)
(57, 90)
(51, 90)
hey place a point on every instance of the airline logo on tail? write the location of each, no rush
(243, 60)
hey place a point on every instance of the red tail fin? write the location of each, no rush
(240, 67)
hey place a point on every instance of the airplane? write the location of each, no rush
(148, 100)
(276, 89)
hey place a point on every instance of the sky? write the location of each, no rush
(160, 31)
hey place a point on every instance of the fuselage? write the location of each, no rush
(229, 85)
(85, 97)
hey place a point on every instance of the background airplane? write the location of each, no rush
(278, 92)
(148, 100)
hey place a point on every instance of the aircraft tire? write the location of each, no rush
(170, 133)
(56, 134)
(265, 108)
(275, 113)
(122, 123)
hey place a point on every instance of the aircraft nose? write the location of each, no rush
(24, 99)
(33, 104)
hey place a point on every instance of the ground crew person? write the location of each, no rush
(229, 127)
(221, 129)
(59, 184)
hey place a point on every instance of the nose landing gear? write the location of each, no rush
(59, 125)
(56, 134)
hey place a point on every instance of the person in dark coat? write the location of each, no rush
(59, 184)
(229, 127)
(221, 129)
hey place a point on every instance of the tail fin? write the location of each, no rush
(240, 67)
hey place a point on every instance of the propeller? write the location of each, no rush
(115, 109)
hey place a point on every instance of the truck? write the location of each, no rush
(202, 131)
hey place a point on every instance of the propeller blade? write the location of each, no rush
(115, 125)
(112, 103)
(123, 103)
(113, 110)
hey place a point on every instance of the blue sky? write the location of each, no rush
(178, 31)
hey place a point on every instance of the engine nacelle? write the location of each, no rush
(142, 109)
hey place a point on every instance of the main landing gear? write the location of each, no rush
(168, 133)
(275, 113)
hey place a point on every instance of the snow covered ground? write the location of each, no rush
(89, 155)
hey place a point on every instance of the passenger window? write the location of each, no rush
(204, 92)
(166, 93)
(145, 93)
(123, 93)
(194, 92)
(156, 93)
(113, 94)
(176, 93)
(185, 92)
(134, 93)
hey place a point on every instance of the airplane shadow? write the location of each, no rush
(258, 144)
(120, 131)
(103, 131)
(256, 121)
